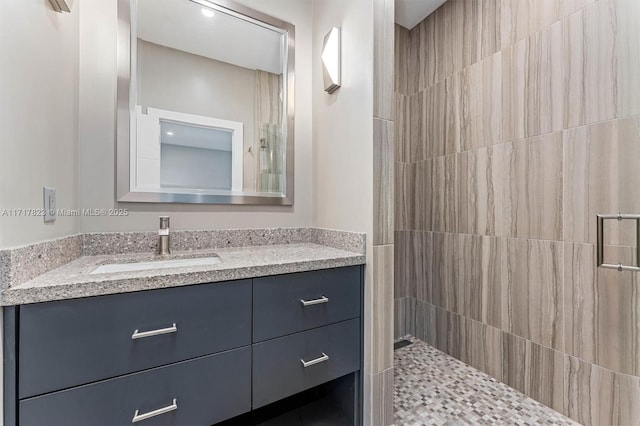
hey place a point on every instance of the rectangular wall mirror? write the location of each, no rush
(205, 104)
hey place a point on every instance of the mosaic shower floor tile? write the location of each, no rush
(433, 388)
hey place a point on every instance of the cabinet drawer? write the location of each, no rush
(206, 390)
(68, 343)
(278, 309)
(330, 352)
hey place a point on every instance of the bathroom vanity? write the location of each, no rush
(148, 347)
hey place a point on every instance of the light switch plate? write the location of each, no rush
(49, 204)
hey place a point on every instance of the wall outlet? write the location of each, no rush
(49, 204)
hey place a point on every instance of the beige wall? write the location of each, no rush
(96, 135)
(342, 135)
(512, 135)
(38, 117)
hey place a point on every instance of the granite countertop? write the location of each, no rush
(73, 280)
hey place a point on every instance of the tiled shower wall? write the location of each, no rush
(517, 121)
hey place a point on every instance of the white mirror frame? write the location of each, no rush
(124, 112)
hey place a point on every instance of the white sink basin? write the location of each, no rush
(155, 264)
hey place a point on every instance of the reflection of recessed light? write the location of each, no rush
(169, 133)
(207, 12)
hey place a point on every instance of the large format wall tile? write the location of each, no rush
(403, 129)
(481, 104)
(404, 312)
(382, 315)
(532, 291)
(532, 85)
(383, 60)
(601, 177)
(401, 59)
(628, 56)
(521, 18)
(533, 187)
(591, 392)
(382, 398)
(425, 323)
(482, 347)
(383, 182)
(404, 189)
(534, 370)
(590, 64)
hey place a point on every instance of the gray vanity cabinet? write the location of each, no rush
(191, 355)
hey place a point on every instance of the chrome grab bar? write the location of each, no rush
(600, 241)
(137, 417)
(323, 358)
(322, 299)
(137, 334)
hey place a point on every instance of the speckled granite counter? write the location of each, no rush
(74, 280)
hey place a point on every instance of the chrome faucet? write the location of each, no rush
(164, 243)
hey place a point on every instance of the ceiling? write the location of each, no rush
(410, 13)
(181, 25)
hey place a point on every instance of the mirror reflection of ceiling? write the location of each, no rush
(188, 26)
(173, 133)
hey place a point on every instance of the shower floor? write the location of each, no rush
(433, 388)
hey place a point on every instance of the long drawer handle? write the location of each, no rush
(323, 358)
(144, 416)
(137, 334)
(323, 299)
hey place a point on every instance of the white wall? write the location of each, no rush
(38, 117)
(178, 81)
(98, 19)
(343, 138)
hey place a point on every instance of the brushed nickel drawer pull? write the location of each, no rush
(323, 358)
(137, 334)
(144, 416)
(323, 299)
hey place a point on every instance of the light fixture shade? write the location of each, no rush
(60, 6)
(332, 60)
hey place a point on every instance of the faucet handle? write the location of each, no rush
(164, 222)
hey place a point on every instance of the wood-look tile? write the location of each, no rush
(598, 310)
(382, 398)
(489, 192)
(534, 370)
(590, 393)
(404, 190)
(532, 291)
(628, 57)
(417, 136)
(425, 322)
(402, 120)
(405, 317)
(533, 187)
(443, 198)
(466, 191)
(445, 293)
(590, 64)
(426, 42)
(521, 18)
(422, 195)
(580, 296)
(490, 27)
(482, 347)
(382, 314)
(485, 298)
(444, 49)
(570, 6)
(383, 181)
(403, 274)
(442, 117)
(601, 177)
(448, 332)
(401, 60)
(532, 85)
(383, 59)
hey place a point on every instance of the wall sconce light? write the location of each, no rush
(331, 60)
(60, 6)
